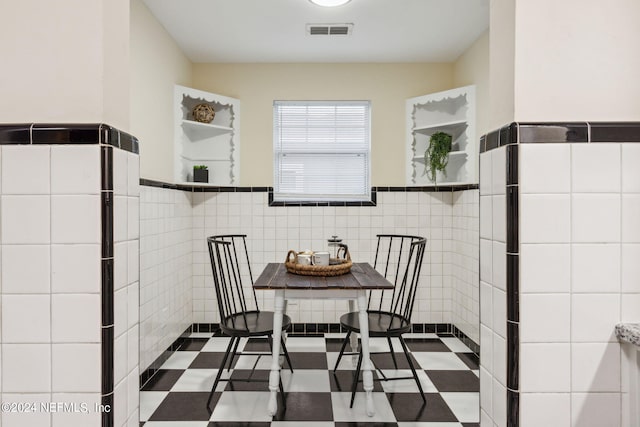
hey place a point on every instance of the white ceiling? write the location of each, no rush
(275, 30)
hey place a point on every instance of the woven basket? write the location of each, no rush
(337, 266)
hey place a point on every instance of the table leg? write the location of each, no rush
(367, 375)
(353, 340)
(274, 376)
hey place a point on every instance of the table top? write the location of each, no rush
(362, 276)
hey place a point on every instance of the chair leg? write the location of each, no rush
(393, 354)
(413, 370)
(233, 353)
(354, 386)
(286, 354)
(217, 380)
(344, 345)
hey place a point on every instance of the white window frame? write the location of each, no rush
(362, 151)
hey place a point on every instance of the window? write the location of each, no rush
(321, 151)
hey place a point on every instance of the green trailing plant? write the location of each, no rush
(200, 167)
(436, 157)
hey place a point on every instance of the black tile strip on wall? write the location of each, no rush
(107, 285)
(68, 133)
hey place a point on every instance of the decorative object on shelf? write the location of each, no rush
(436, 157)
(298, 263)
(200, 173)
(203, 113)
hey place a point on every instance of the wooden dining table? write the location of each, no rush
(351, 286)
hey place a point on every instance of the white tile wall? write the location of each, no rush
(165, 270)
(50, 258)
(579, 277)
(493, 316)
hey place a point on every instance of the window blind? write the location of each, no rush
(321, 150)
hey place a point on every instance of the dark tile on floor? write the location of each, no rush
(410, 407)
(454, 380)
(163, 380)
(210, 360)
(470, 424)
(343, 381)
(470, 359)
(237, 424)
(193, 344)
(308, 360)
(306, 407)
(426, 344)
(243, 380)
(385, 361)
(185, 406)
(257, 344)
(334, 344)
(363, 424)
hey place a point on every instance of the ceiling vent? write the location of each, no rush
(329, 29)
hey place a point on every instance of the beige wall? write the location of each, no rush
(61, 60)
(501, 60)
(386, 85)
(577, 66)
(156, 65)
(472, 68)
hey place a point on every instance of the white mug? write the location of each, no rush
(305, 259)
(321, 258)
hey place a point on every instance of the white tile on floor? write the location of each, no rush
(149, 402)
(455, 345)
(219, 344)
(247, 362)
(199, 380)
(342, 412)
(439, 361)
(464, 406)
(176, 424)
(348, 361)
(429, 425)
(179, 360)
(306, 344)
(305, 380)
(408, 385)
(203, 335)
(242, 406)
(297, 423)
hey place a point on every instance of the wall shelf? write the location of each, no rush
(452, 112)
(215, 144)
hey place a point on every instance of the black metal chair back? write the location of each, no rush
(230, 267)
(399, 259)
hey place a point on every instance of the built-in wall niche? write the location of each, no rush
(452, 112)
(215, 144)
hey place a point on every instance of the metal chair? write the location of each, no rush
(399, 258)
(239, 317)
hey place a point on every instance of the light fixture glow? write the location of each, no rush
(329, 3)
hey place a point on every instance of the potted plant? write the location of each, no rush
(200, 173)
(436, 157)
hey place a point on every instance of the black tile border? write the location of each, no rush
(195, 188)
(560, 132)
(67, 133)
(300, 330)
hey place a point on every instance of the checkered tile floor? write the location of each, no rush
(448, 370)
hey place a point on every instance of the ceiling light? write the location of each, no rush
(329, 3)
